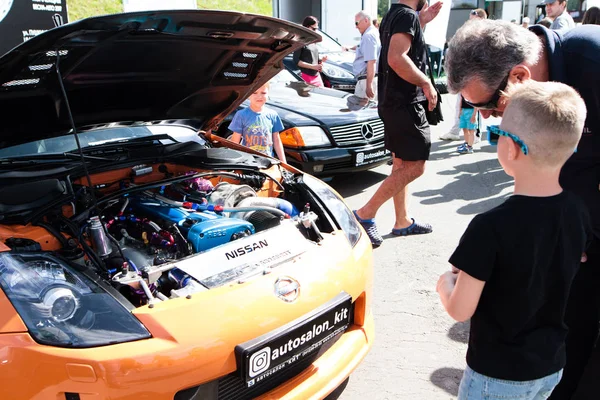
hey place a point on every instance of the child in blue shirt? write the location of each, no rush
(258, 127)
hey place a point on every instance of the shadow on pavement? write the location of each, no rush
(447, 379)
(459, 332)
(477, 167)
(355, 183)
(439, 150)
(482, 206)
(488, 148)
(338, 391)
(464, 186)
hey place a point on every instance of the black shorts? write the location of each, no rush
(407, 133)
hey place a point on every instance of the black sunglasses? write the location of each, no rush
(473, 12)
(356, 23)
(492, 103)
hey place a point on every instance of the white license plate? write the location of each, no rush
(371, 156)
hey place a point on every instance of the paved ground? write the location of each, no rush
(419, 350)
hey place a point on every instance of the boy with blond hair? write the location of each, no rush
(258, 127)
(513, 268)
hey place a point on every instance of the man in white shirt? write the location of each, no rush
(557, 10)
(365, 62)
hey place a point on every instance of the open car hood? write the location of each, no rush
(143, 66)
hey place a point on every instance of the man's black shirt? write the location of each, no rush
(393, 90)
(527, 251)
(574, 59)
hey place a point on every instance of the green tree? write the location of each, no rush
(383, 7)
(262, 7)
(79, 9)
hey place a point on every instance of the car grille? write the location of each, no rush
(353, 133)
(338, 165)
(232, 387)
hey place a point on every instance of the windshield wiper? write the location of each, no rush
(50, 158)
(125, 142)
(76, 156)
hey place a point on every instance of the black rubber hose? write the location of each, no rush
(54, 232)
(86, 248)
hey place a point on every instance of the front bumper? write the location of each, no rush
(337, 160)
(193, 341)
(315, 381)
(331, 369)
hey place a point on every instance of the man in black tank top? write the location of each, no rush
(404, 92)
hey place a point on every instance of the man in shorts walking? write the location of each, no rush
(404, 93)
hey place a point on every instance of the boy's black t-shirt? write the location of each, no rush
(393, 90)
(527, 251)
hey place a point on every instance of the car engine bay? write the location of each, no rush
(144, 234)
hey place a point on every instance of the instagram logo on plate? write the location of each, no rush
(260, 362)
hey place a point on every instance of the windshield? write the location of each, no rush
(328, 44)
(64, 144)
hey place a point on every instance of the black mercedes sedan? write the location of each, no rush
(322, 136)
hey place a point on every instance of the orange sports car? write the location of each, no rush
(141, 256)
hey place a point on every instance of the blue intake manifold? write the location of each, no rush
(203, 229)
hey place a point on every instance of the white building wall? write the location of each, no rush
(512, 10)
(337, 18)
(435, 31)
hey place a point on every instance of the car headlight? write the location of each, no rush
(336, 206)
(304, 136)
(336, 72)
(61, 307)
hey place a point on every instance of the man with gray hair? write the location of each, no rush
(365, 62)
(485, 59)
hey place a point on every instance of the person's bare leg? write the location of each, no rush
(400, 203)
(403, 172)
(469, 136)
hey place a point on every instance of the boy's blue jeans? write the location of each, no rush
(475, 386)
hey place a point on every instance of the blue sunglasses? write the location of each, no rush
(494, 133)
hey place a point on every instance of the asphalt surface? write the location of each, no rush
(419, 351)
